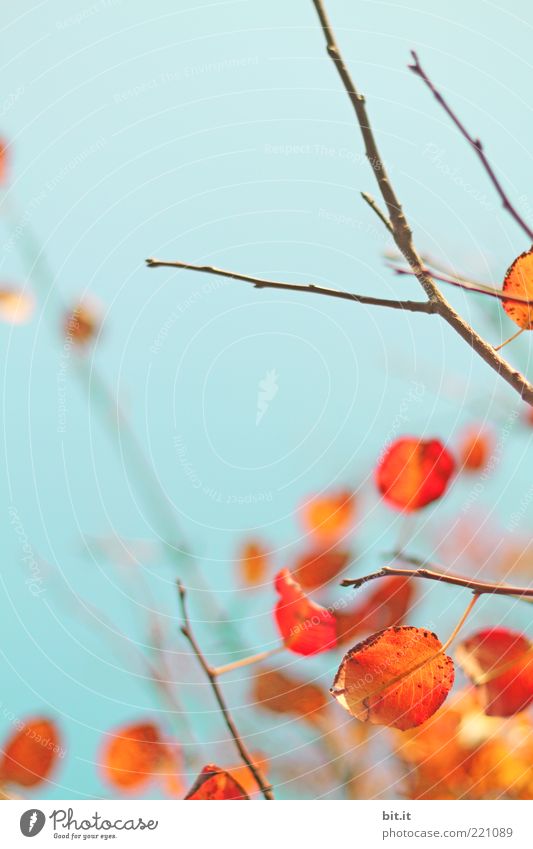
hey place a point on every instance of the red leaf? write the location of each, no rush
(315, 568)
(398, 677)
(384, 607)
(414, 472)
(134, 755)
(500, 664)
(306, 627)
(215, 784)
(31, 753)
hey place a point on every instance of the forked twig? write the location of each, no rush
(476, 145)
(186, 630)
(401, 231)
(394, 219)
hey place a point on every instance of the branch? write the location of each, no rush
(474, 143)
(311, 288)
(379, 212)
(186, 630)
(401, 231)
(478, 587)
(465, 283)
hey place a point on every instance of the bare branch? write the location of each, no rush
(402, 232)
(465, 283)
(311, 288)
(474, 143)
(186, 630)
(478, 587)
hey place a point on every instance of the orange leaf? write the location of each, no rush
(500, 664)
(329, 517)
(243, 775)
(315, 568)
(414, 472)
(31, 753)
(519, 281)
(475, 450)
(253, 562)
(306, 627)
(134, 755)
(83, 323)
(3, 162)
(382, 608)
(398, 677)
(460, 753)
(278, 692)
(215, 784)
(16, 306)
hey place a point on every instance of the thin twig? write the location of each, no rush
(401, 230)
(478, 587)
(375, 208)
(464, 283)
(476, 145)
(186, 630)
(312, 288)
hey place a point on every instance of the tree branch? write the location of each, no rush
(186, 630)
(464, 283)
(401, 231)
(478, 587)
(476, 145)
(311, 288)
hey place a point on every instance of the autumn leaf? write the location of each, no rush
(134, 755)
(414, 472)
(475, 449)
(253, 562)
(31, 753)
(16, 306)
(82, 323)
(329, 517)
(460, 753)
(280, 693)
(215, 784)
(243, 775)
(397, 677)
(306, 627)
(315, 568)
(500, 663)
(519, 282)
(3, 162)
(383, 607)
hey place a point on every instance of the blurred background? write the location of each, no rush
(218, 133)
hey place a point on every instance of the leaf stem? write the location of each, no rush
(247, 661)
(461, 622)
